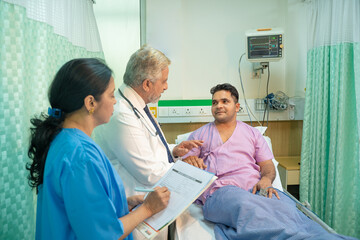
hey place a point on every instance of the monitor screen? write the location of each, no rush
(264, 47)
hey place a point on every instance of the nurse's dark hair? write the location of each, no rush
(227, 87)
(75, 80)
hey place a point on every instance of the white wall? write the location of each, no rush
(119, 28)
(296, 48)
(205, 39)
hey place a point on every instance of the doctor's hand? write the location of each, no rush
(265, 187)
(157, 200)
(195, 161)
(185, 146)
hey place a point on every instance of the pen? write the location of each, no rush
(137, 189)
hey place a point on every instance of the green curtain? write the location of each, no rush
(30, 56)
(329, 178)
(357, 83)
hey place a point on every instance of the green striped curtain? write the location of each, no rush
(357, 84)
(30, 56)
(330, 171)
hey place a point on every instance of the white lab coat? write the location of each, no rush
(139, 157)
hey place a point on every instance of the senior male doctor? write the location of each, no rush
(133, 140)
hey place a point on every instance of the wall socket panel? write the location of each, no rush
(175, 111)
(184, 111)
(181, 114)
(195, 111)
(242, 110)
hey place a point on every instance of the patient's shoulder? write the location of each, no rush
(246, 128)
(245, 125)
(202, 131)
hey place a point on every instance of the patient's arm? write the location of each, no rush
(195, 161)
(193, 153)
(267, 170)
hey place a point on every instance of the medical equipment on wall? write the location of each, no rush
(277, 101)
(138, 114)
(264, 45)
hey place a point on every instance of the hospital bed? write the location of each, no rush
(192, 225)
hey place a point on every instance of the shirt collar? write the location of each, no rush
(133, 96)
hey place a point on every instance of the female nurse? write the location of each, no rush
(80, 195)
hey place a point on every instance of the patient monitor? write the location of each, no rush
(264, 45)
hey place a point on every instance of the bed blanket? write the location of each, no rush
(239, 214)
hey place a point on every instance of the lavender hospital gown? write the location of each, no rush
(237, 212)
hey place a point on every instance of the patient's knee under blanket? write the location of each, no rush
(239, 214)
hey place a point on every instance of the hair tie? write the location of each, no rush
(54, 112)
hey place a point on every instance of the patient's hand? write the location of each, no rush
(135, 200)
(195, 161)
(185, 146)
(265, 183)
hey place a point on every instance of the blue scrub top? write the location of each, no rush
(82, 196)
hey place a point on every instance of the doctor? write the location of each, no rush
(133, 140)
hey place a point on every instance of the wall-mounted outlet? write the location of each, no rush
(291, 111)
(188, 111)
(175, 111)
(241, 112)
(202, 111)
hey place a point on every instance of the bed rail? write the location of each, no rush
(309, 213)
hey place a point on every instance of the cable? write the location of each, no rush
(242, 88)
(248, 109)
(267, 94)
(267, 98)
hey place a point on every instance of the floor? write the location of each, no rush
(294, 190)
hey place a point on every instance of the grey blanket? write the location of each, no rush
(239, 214)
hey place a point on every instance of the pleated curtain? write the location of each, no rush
(330, 173)
(36, 38)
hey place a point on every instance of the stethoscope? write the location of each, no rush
(139, 116)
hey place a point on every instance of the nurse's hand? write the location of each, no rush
(195, 161)
(157, 200)
(135, 200)
(185, 146)
(154, 203)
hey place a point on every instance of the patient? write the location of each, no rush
(241, 201)
(236, 152)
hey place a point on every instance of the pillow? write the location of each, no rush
(182, 137)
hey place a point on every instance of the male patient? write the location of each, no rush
(132, 140)
(236, 152)
(241, 201)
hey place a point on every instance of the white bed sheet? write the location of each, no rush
(191, 224)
